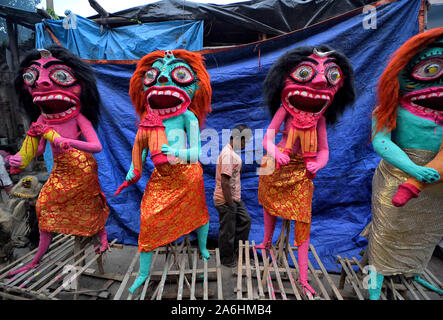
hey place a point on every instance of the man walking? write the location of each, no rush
(235, 221)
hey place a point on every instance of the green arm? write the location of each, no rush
(392, 153)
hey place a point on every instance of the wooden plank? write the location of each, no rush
(219, 275)
(29, 256)
(49, 258)
(205, 279)
(248, 271)
(72, 278)
(52, 272)
(420, 289)
(407, 285)
(319, 282)
(267, 276)
(46, 266)
(181, 278)
(433, 279)
(394, 291)
(354, 275)
(325, 273)
(240, 269)
(194, 274)
(261, 293)
(382, 295)
(161, 285)
(291, 279)
(127, 276)
(351, 278)
(146, 284)
(277, 274)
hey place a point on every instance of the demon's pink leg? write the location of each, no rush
(269, 230)
(45, 240)
(103, 236)
(303, 250)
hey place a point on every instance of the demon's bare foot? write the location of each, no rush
(23, 269)
(307, 289)
(263, 245)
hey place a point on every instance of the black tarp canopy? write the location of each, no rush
(238, 23)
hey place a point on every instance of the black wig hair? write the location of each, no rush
(275, 79)
(89, 98)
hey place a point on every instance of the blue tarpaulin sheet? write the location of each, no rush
(342, 196)
(84, 38)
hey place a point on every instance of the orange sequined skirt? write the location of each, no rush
(173, 205)
(71, 201)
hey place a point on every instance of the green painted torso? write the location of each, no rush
(415, 132)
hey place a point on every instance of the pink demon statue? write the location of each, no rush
(306, 88)
(62, 89)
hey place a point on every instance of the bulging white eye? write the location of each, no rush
(62, 76)
(429, 69)
(150, 76)
(303, 73)
(29, 76)
(333, 75)
(182, 75)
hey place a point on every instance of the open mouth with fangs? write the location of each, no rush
(56, 105)
(428, 100)
(305, 100)
(167, 101)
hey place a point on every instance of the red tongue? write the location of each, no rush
(161, 102)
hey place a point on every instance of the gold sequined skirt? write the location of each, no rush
(287, 192)
(402, 240)
(71, 201)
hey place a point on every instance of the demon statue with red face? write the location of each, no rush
(305, 89)
(60, 89)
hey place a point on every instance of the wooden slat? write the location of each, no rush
(240, 269)
(79, 272)
(354, 275)
(261, 293)
(318, 281)
(48, 259)
(433, 279)
(267, 276)
(420, 289)
(194, 274)
(181, 278)
(277, 275)
(219, 275)
(38, 271)
(28, 257)
(351, 279)
(205, 279)
(248, 271)
(325, 273)
(409, 287)
(394, 291)
(146, 284)
(126, 278)
(52, 272)
(291, 278)
(161, 285)
(382, 295)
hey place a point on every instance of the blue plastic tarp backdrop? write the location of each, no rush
(85, 38)
(342, 197)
